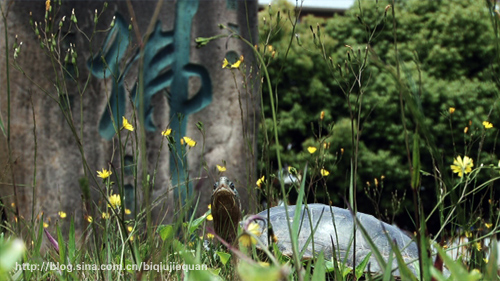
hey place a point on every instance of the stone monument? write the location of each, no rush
(136, 60)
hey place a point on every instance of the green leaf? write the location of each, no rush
(197, 222)
(71, 241)
(319, 271)
(166, 231)
(194, 260)
(11, 252)
(224, 257)
(254, 271)
(360, 268)
(214, 271)
(388, 268)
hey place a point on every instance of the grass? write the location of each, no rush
(125, 239)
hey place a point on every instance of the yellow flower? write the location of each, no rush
(129, 228)
(260, 181)
(47, 5)
(311, 149)
(128, 212)
(238, 63)
(487, 125)
(13, 205)
(488, 225)
(485, 260)
(62, 214)
(114, 201)
(468, 234)
(270, 48)
(462, 166)
(104, 174)
(167, 132)
(324, 172)
(210, 217)
(126, 124)
(210, 236)
(322, 115)
(132, 238)
(248, 240)
(105, 216)
(189, 141)
(225, 63)
(466, 129)
(45, 225)
(221, 168)
(451, 110)
(478, 246)
(90, 219)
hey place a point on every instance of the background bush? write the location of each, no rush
(451, 42)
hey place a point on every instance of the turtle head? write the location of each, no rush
(226, 209)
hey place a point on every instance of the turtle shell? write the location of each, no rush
(334, 234)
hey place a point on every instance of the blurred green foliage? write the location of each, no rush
(452, 43)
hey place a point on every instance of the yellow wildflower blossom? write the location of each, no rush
(45, 225)
(47, 5)
(451, 110)
(167, 132)
(104, 174)
(210, 236)
(462, 166)
(221, 168)
(322, 115)
(311, 149)
(247, 240)
(90, 219)
(324, 172)
(105, 216)
(488, 225)
(128, 212)
(129, 228)
(62, 214)
(487, 125)
(260, 181)
(189, 141)
(225, 63)
(210, 217)
(126, 124)
(114, 201)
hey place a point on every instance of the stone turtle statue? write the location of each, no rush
(332, 228)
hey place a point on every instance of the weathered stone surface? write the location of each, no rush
(229, 118)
